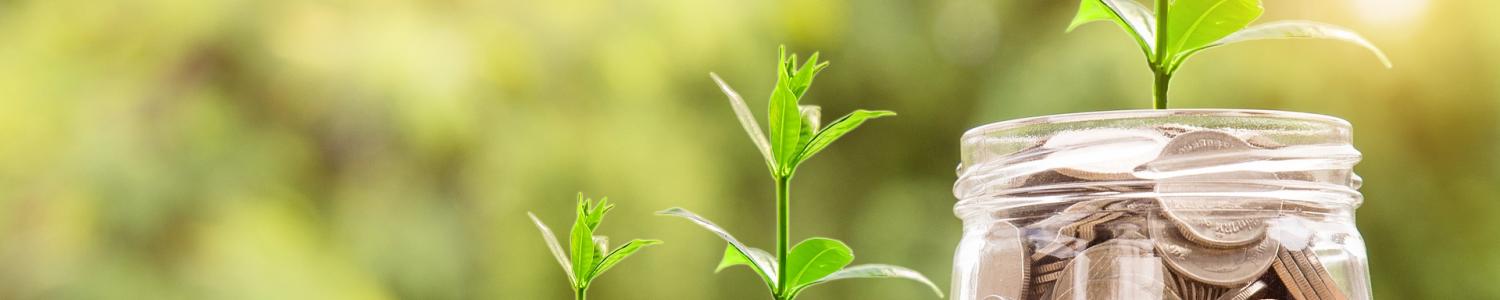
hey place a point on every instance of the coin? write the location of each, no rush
(1201, 210)
(1173, 130)
(1122, 268)
(1193, 290)
(1173, 287)
(1245, 292)
(1103, 154)
(1002, 269)
(1047, 178)
(1052, 276)
(1263, 142)
(1067, 223)
(1049, 268)
(1316, 275)
(1216, 266)
(1075, 236)
(1198, 149)
(1296, 175)
(1295, 281)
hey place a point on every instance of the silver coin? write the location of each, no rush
(1246, 292)
(1221, 223)
(1197, 149)
(1003, 272)
(1205, 211)
(1317, 276)
(1263, 142)
(1120, 268)
(1193, 290)
(1103, 154)
(1066, 225)
(1216, 266)
(1173, 130)
(1046, 178)
(1292, 277)
(1296, 175)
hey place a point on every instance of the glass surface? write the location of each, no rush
(1160, 204)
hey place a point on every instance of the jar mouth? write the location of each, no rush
(1150, 114)
(1131, 152)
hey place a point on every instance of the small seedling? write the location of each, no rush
(796, 136)
(590, 254)
(1192, 26)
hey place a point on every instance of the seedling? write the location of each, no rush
(588, 254)
(796, 136)
(1196, 25)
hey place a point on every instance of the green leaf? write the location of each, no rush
(747, 120)
(1090, 11)
(733, 257)
(1292, 30)
(1134, 18)
(552, 244)
(786, 124)
(806, 74)
(814, 258)
(581, 245)
(619, 254)
(760, 263)
(788, 133)
(596, 213)
(878, 271)
(838, 129)
(1195, 23)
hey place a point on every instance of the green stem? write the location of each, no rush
(580, 293)
(1163, 81)
(783, 214)
(1163, 75)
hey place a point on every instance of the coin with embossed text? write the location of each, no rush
(1207, 213)
(1199, 149)
(1222, 267)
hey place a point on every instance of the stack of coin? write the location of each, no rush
(1152, 215)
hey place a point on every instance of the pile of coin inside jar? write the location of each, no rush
(1154, 214)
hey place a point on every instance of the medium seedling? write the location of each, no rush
(1196, 25)
(796, 136)
(588, 254)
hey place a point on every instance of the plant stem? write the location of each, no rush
(1163, 81)
(580, 293)
(783, 214)
(1163, 75)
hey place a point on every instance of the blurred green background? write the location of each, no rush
(383, 149)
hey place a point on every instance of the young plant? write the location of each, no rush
(590, 255)
(796, 136)
(1192, 26)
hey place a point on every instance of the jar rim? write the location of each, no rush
(1151, 113)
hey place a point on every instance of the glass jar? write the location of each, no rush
(1160, 204)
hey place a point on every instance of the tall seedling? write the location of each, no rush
(796, 135)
